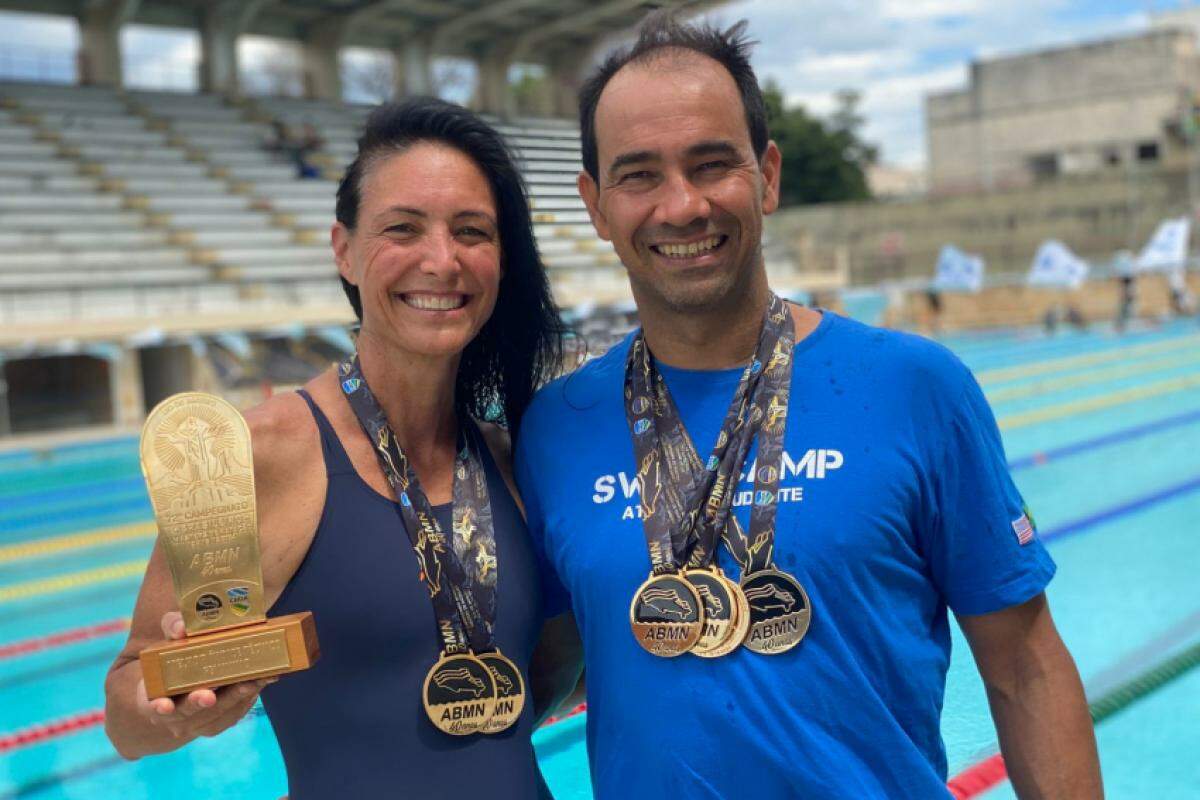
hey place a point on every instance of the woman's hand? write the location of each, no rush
(203, 712)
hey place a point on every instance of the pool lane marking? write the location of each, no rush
(51, 641)
(1041, 457)
(71, 580)
(989, 377)
(45, 783)
(1135, 662)
(76, 541)
(54, 729)
(1115, 372)
(1120, 510)
(1087, 404)
(991, 772)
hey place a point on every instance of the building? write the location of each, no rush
(1114, 104)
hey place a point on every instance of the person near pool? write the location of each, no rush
(866, 475)
(435, 249)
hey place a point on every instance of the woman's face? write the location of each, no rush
(425, 254)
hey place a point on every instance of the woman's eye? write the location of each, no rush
(477, 233)
(403, 227)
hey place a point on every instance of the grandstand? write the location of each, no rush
(158, 241)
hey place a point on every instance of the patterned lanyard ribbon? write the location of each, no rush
(685, 503)
(461, 578)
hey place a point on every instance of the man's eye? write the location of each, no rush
(637, 175)
(403, 228)
(709, 166)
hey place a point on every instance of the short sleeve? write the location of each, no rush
(555, 599)
(984, 551)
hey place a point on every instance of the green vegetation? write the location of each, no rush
(823, 161)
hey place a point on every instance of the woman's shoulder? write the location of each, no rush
(283, 434)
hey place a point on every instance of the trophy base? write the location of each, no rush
(209, 660)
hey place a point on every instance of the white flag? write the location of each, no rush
(959, 271)
(1167, 248)
(1056, 265)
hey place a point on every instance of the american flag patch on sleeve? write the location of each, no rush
(1023, 529)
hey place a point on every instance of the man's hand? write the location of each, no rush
(203, 712)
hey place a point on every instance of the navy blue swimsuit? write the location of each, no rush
(353, 725)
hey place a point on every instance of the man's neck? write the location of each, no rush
(719, 338)
(416, 393)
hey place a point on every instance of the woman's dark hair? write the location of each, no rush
(520, 346)
(662, 30)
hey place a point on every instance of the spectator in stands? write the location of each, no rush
(298, 149)
(1123, 266)
(885, 499)
(1182, 302)
(435, 249)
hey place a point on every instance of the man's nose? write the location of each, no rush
(682, 203)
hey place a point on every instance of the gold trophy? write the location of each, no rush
(196, 460)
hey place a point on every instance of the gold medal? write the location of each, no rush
(720, 610)
(667, 615)
(460, 694)
(779, 611)
(510, 691)
(740, 626)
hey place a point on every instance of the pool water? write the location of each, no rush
(1103, 435)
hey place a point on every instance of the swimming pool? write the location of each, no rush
(1103, 435)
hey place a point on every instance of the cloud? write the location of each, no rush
(897, 51)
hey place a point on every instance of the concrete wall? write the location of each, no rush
(1094, 215)
(1077, 108)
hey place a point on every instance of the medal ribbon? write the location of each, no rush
(460, 574)
(686, 504)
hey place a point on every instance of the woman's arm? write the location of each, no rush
(290, 490)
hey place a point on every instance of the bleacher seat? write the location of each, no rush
(123, 190)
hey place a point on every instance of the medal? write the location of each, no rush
(724, 630)
(473, 687)
(779, 611)
(510, 691)
(459, 694)
(686, 505)
(667, 615)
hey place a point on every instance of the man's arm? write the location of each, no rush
(1037, 702)
(556, 665)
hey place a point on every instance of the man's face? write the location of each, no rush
(679, 192)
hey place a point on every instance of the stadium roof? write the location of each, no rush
(458, 27)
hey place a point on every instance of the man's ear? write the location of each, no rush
(771, 165)
(590, 193)
(339, 237)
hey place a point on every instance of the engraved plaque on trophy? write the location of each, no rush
(196, 460)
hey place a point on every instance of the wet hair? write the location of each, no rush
(662, 30)
(520, 346)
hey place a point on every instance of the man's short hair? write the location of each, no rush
(662, 30)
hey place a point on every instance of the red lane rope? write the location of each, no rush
(576, 711)
(45, 731)
(978, 778)
(54, 640)
(42, 732)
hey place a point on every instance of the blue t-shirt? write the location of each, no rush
(895, 503)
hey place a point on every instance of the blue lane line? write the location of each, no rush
(1120, 510)
(1041, 457)
(10, 529)
(59, 494)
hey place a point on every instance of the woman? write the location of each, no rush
(434, 246)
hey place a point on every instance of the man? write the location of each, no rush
(892, 499)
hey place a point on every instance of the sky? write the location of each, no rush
(893, 51)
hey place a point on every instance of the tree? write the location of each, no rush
(823, 162)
